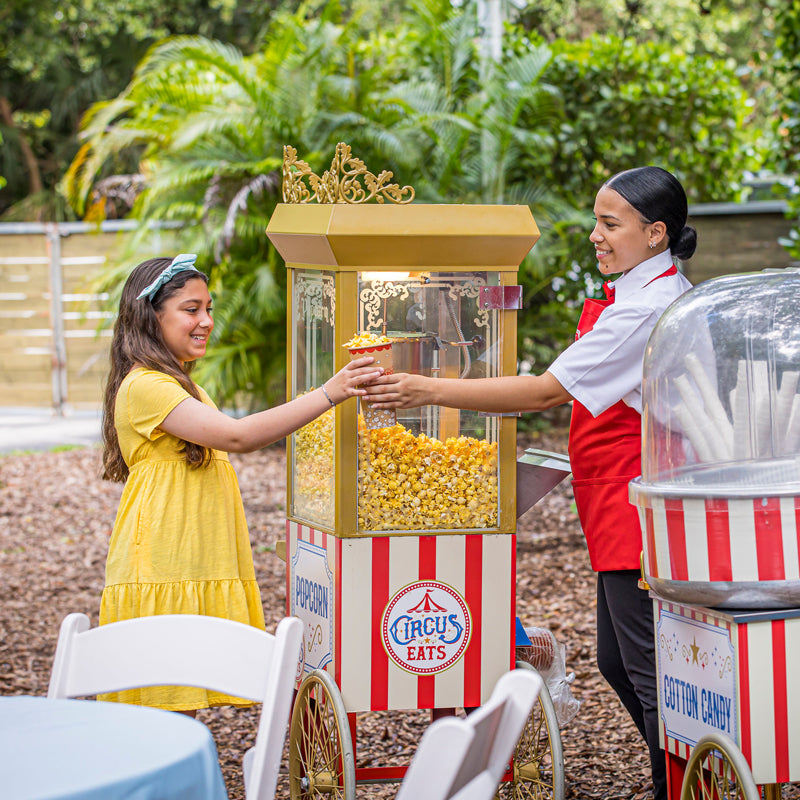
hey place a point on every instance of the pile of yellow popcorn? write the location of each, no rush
(313, 469)
(409, 482)
(405, 482)
(367, 340)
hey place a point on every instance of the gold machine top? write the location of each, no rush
(328, 221)
(342, 183)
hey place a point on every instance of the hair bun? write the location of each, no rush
(686, 243)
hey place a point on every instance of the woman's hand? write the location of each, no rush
(348, 380)
(400, 390)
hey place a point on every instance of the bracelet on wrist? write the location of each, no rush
(325, 392)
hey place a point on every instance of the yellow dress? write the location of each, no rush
(180, 543)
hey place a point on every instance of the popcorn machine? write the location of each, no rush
(400, 537)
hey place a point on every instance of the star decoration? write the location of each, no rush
(695, 650)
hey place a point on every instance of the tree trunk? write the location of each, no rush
(31, 164)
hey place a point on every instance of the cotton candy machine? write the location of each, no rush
(719, 494)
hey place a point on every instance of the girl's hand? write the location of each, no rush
(348, 380)
(400, 390)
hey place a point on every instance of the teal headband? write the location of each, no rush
(181, 263)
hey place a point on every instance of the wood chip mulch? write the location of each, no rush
(55, 519)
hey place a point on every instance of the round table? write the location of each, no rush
(102, 751)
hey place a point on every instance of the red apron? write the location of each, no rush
(605, 453)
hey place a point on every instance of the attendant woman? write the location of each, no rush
(640, 229)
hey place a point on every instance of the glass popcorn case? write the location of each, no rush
(439, 302)
(719, 495)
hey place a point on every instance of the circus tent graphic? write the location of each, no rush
(427, 605)
(430, 635)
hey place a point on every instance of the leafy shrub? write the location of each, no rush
(624, 105)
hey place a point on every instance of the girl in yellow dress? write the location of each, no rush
(180, 543)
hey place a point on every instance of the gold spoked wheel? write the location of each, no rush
(538, 768)
(717, 770)
(321, 760)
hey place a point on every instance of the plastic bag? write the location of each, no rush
(547, 657)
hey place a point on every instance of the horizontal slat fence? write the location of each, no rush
(54, 331)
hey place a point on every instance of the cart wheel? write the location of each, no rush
(321, 760)
(538, 759)
(717, 769)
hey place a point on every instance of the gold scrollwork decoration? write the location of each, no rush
(371, 297)
(315, 297)
(375, 292)
(347, 181)
(727, 666)
(315, 638)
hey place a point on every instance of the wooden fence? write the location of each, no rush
(54, 332)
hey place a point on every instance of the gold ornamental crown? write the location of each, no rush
(342, 183)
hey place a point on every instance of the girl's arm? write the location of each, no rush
(495, 395)
(196, 422)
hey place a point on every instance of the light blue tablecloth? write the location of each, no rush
(104, 751)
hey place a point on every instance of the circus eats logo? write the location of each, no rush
(426, 627)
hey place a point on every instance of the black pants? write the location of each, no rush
(627, 660)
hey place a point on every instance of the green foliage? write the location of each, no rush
(729, 30)
(56, 59)
(206, 123)
(622, 104)
(786, 71)
(627, 104)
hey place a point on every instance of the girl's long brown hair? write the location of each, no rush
(137, 341)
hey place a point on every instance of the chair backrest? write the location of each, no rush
(464, 759)
(189, 650)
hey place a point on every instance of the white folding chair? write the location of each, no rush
(464, 759)
(190, 650)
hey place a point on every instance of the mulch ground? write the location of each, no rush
(55, 519)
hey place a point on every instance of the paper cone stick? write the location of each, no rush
(703, 425)
(783, 405)
(792, 439)
(740, 403)
(761, 408)
(694, 434)
(711, 400)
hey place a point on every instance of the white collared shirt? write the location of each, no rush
(605, 364)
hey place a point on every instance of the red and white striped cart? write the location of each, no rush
(719, 503)
(400, 538)
(729, 698)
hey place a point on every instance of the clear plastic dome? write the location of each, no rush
(721, 410)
